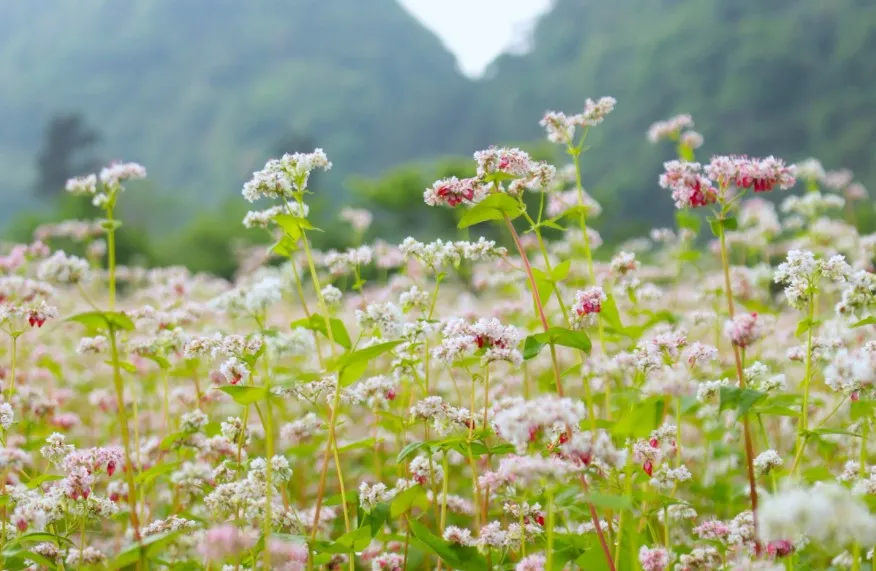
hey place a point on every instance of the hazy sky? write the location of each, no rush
(478, 30)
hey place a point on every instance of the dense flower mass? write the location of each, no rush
(690, 189)
(761, 175)
(537, 400)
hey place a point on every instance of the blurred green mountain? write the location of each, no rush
(203, 91)
(793, 78)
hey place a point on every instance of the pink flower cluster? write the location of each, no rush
(743, 172)
(744, 329)
(690, 189)
(453, 192)
(692, 185)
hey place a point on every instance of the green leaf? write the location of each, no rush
(455, 556)
(285, 246)
(774, 410)
(317, 323)
(124, 365)
(364, 443)
(690, 256)
(376, 518)
(42, 479)
(293, 225)
(155, 471)
(576, 212)
(101, 320)
(408, 499)
(593, 560)
(39, 537)
(543, 284)
(561, 270)
(356, 540)
(150, 545)
(805, 325)
(15, 560)
(410, 450)
(45, 361)
(160, 361)
(741, 400)
(168, 441)
(861, 409)
(499, 176)
(245, 395)
(866, 321)
(609, 501)
(688, 221)
(352, 365)
(643, 418)
(836, 431)
(494, 207)
(727, 223)
(533, 344)
(610, 314)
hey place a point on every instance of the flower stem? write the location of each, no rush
(11, 386)
(749, 447)
(126, 434)
(536, 298)
(803, 427)
(111, 257)
(595, 518)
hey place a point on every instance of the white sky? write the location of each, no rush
(477, 31)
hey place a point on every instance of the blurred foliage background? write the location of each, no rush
(202, 92)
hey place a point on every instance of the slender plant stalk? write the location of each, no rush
(111, 257)
(803, 427)
(749, 447)
(536, 299)
(11, 386)
(599, 533)
(126, 434)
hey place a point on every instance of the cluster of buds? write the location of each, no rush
(588, 304)
(744, 330)
(763, 175)
(690, 188)
(453, 191)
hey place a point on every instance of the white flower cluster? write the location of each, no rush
(852, 371)
(858, 295)
(826, 513)
(359, 218)
(812, 204)
(63, 269)
(220, 345)
(670, 128)
(254, 298)
(414, 298)
(281, 178)
(383, 317)
(767, 461)
(442, 415)
(262, 218)
(521, 424)
(374, 392)
(560, 128)
(801, 271)
(460, 339)
(439, 253)
(111, 178)
(342, 263)
(528, 470)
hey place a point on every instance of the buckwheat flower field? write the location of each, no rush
(700, 399)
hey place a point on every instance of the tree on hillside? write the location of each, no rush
(66, 151)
